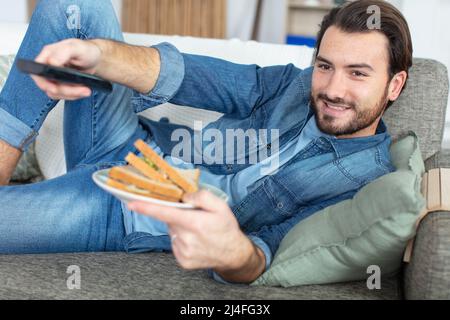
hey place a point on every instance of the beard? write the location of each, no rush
(361, 117)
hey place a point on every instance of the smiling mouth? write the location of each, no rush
(335, 109)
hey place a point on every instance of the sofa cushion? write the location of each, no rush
(155, 276)
(422, 106)
(340, 242)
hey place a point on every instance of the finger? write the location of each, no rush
(53, 94)
(205, 200)
(177, 235)
(182, 235)
(44, 54)
(178, 253)
(66, 98)
(173, 231)
(43, 83)
(179, 249)
(67, 91)
(166, 214)
(59, 54)
(58, 91)
(53, 55)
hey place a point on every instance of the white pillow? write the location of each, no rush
(50, 142)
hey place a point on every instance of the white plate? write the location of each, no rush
(101, 176)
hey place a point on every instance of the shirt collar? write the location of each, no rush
(343, 147)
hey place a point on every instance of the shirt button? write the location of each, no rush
(269, 146)
(229, 167)
(280, 205)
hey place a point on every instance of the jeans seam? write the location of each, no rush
(93, 130)
(67, 19)
(82, 35)
(138, 104)
(46, 109)
(27, 139)
(380, 161)
(94, 120)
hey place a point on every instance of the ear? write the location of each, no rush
(396, 85)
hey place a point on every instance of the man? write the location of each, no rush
(332, 140)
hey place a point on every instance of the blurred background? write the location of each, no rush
(273, 21)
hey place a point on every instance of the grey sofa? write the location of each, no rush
(421, 108)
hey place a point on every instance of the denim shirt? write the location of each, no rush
(328, 170)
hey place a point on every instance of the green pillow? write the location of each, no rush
(340, 242)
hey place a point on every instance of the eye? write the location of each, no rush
(324, 67)
(358, 74)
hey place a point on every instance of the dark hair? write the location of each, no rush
(353, 17)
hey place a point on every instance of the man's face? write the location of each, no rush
(350, 83)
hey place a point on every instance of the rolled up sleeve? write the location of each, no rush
(257, 242)
(170, 78)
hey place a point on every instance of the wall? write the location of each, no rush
(240, 18)
(13, 11)
(273, 22)
(16, 11)
(239, 25)
(429, 22)
(272, 25)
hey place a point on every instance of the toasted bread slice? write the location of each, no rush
(172, 173)
(130, 188)
(145, 169)
(128, 174)
(192, 174)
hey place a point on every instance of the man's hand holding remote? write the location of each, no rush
(132, 66)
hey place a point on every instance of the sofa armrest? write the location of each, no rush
(427, 276)
(440, 159)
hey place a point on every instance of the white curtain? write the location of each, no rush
(241, 16)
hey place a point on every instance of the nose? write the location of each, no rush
(336, 86)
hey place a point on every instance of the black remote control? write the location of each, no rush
(65, 75)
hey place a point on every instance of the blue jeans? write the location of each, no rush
(69, 213)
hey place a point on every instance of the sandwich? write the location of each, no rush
(152, 176)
